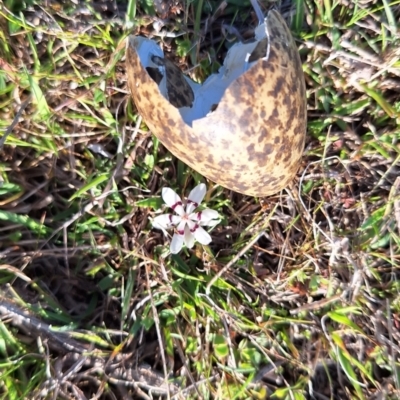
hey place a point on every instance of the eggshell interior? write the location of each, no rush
(210, 92)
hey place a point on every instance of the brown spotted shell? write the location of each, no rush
(253, 142)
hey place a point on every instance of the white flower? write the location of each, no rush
(187, 222)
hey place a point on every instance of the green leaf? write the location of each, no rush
(149, 161)
(390, 111)
(347, 368)
(100, 179)
(131, 11)
(298, 19)
(221, 348)
(9, 188)
(342, 319)
(374, 221)
(169, 315)
(38, 98)
(353, 361)
(24, 220)
(168, 342)
(128, 294)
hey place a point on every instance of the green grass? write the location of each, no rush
(292, 289)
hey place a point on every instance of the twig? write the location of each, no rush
(15, 121)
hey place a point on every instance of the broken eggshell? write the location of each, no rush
(244, 127)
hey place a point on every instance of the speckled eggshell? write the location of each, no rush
(254, 140)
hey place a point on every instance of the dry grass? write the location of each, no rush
(308, 303)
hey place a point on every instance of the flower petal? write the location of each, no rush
(196, 196)
(162, 221)
(172, 200)
(175, 219)
(169, 196)
(202, 236)
(189, 238)
(206, 217)
(181, 227)
(192, 225)
(176, 243)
